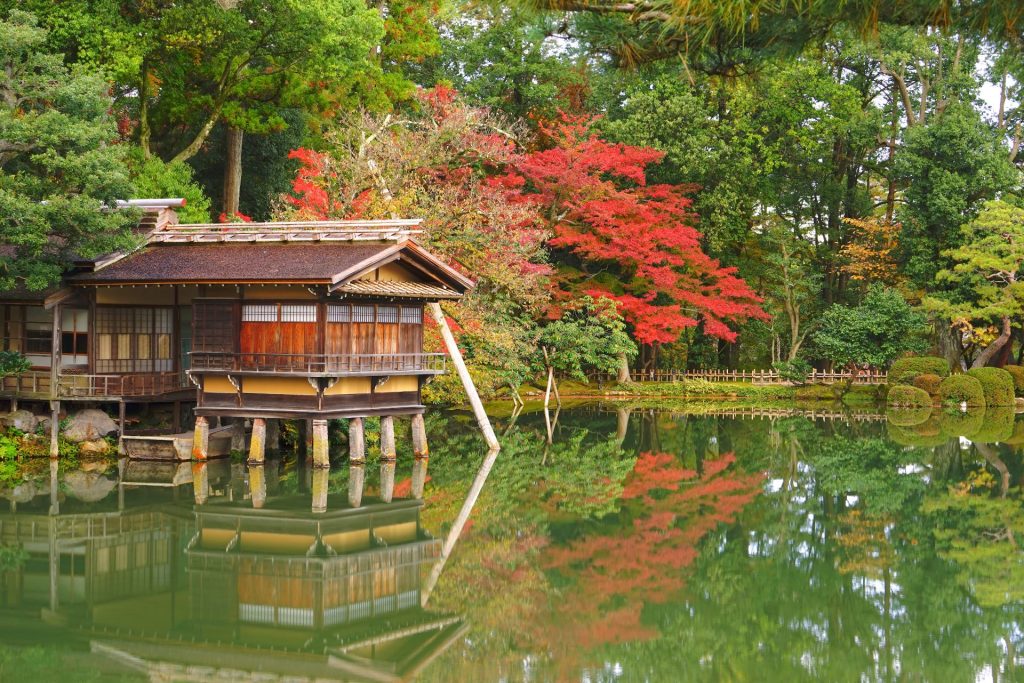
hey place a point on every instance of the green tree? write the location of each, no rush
(59, 165)
(591, 334)
(876, 332)
(986, 268)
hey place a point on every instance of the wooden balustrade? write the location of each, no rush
(318, 363)
(753, 376)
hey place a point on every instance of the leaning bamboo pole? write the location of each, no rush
(467, 381)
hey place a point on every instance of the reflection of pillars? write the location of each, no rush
(356, 478)
(273, 435)
(273, 476)
(321, 457)
(201, 439)
(419, 437)
(257, 486)
(356, 441)
(320, 475)
(238, 435)
(54, 489)
(419, 476)
(54, 566)
(387, 480)
(200, 482)
(54, 428)
(387, 437)
(258, 442)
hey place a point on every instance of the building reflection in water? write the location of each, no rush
(193, 570)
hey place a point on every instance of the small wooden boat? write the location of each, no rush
(176, 446)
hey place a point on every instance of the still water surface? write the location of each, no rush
(635, 544)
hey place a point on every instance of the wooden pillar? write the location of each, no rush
(54, 428)
(356, 479)
(320, 480)
(308, 437)
(238, 434)
(257, 486)
(419, 476)
(201, 439)
(55, 355)
(356, 441)
(258, 442)
(321, 455)
(467, 381)
(120, 427)
(200, 481)
(387, 480)
(419, 437)
(273, 435)
(387, 438)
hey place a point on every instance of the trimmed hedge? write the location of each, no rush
(957, 389)
(1017, 372)
(997, 385)
(904, 370)
(928, 382)
(903, 396)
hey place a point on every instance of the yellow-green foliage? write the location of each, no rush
(997, 385)
(903, 396)
(908, 417)
(904, 370)
(954, 423)
(924, 434)
(998, 425)
(957, 389)
(817, 392)
(928, 382)
(1017, 372)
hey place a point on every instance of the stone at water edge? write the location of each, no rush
(22, 420)
(94, 447)
(88, 425)
(1018, 405)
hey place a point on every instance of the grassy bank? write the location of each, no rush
(704, 391)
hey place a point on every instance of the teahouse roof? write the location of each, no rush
(331, 253)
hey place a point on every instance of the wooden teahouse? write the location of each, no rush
(302, 320)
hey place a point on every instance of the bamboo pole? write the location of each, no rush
(467, 381)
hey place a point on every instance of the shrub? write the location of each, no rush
(1017, 372)
(904, 370)
(997, 385)
(957, 389)
(903, 396)
(954, 423)
(794, 371)
(928, 382)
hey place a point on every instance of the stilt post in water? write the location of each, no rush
(419, 437)
(356, 441)
(201, 439)
(321, 456)
(258, 442)
(387, 438)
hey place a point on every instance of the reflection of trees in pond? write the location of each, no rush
(608, 578)
(884, 475)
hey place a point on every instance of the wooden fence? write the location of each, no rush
(753, 376)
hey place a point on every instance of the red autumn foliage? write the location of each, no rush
(645, 561)
(605, 214)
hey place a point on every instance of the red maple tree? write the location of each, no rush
(603, 213)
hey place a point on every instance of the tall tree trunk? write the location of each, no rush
(624, 368)
(232, 170)
(950, 347)
(985, 356)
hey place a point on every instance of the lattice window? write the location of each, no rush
(259, 313)
(134, 339)
(362, 314)
(298, 313)
(412, 315)
(387, 314)
(213, 326)
(339, 313)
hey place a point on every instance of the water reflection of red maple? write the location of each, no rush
(615, 575)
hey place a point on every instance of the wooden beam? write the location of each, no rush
(467, 381)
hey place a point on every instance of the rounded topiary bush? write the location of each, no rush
(928, 382)
(957, 389)
(1017, 372)
(903, 396)
(904, 370)
(997, 385)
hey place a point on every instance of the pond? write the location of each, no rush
(606, 542)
